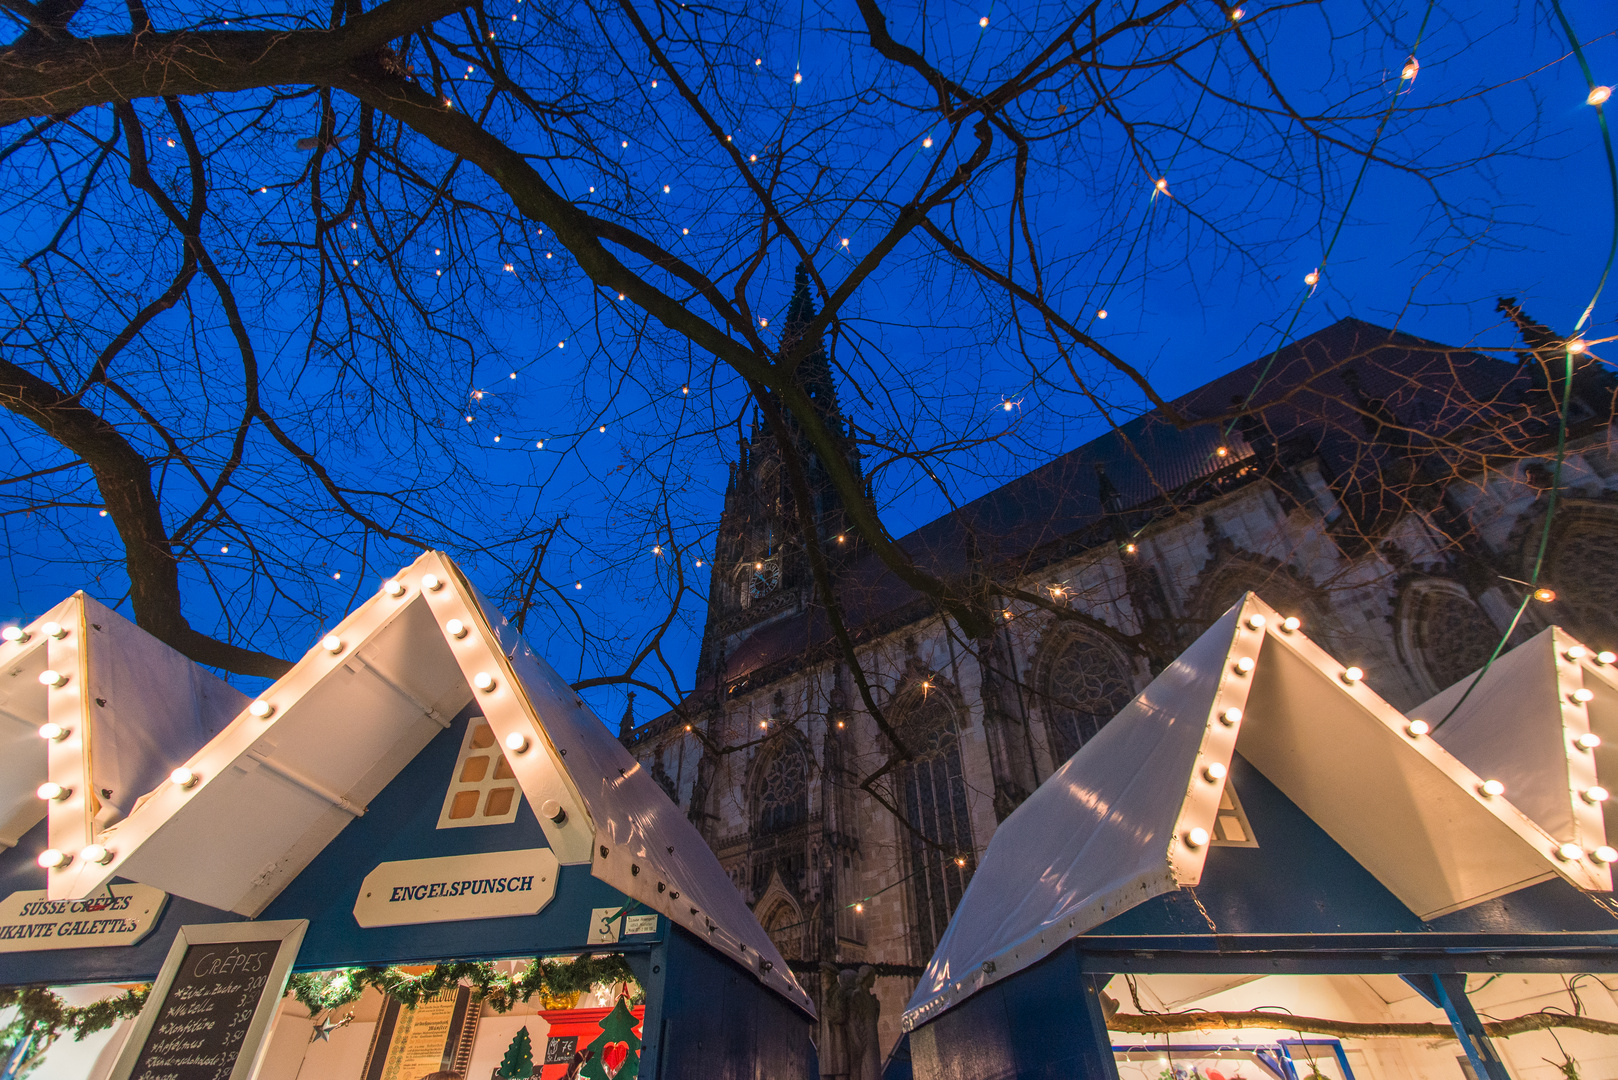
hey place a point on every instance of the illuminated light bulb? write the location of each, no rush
(1245, 664)
(927, 142)
(1417, 728)
(497, 438)
(55, 630)
(1544, 596)
(845, 241)
(1230, 716)
(539, 445)
(602, 429)
(797, 76)
(263, 191)
(52, 677)
(261, 709)
(1130, 549)
(1410, 69)
(1577, 652)
(578, 584)
(431, 583)
(483, 681)
(438, 251)
(1101, 314)
(356, 262)
(620, 296)
(561, 344)
(1605, 657)
(1581, 695)
(438, 273)
(758, 63)
(1570, 853)
(393, 587)
(1491, 788)
(657, 549)
(764, 725)
(1588, 741)
(960, 860)
(1215, 771)
(516, 742)
(448, 104)
(1006, 406)
(685, 232)
(99, 854)
(14, 634)
(52, 859)
(1223, 451)
(685, 389)
(455, 628)
(1596, 794)
(1236, 14)
(171, 142)
(839, 725)
(1291, 623)
(508, 267)
(103, 513)
(654, 84)
(50, 791)
(225, 550)
(1196, 838)
(764, 322)
(753, 158)
(699, 562)
(182, 777)
(1605, 854)
(1576, 347)
(1162, 184)
(52, 732)
(1312, 277)
(983, 23)
(665, 189)
(332, 643)
(1256, 621)
(1598, 95)
(1352, 675)
(552, 809)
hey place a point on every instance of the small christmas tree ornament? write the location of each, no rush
(615, 1054)
(518, 1064)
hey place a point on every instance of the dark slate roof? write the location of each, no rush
(1320, 393)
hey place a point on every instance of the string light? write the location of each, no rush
(1163, 184)
(1544, 596)
(797, 76)
(699, 562)
(1102, 314)
(859, 909)
(1236, 14)
(1598, 96)
(1223, 451)
(665, 189)
(927, 142)
(984, 22)
(1312, 278)
(578, 584)
(657, 549)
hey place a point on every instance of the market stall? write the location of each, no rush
(1258, 847)
(420, 789)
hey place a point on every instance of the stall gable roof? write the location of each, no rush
(307, 756)
(128, 708)
(1523, 723)
(1129, 816)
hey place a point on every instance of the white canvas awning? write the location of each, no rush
(310, 753)
(1129, 816)
(127, 708)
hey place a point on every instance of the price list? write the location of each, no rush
(204, 1018)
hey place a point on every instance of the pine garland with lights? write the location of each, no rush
(553, 980)
(48, 1015)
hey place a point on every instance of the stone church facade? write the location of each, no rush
(1388, 491)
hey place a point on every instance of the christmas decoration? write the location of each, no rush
(615, 1053)
(518, 1064)
(552, 980)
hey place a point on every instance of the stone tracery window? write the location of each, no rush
(781, 789)
(1582, 567)
(1082, 683)
(932, 794)
(1443, 632)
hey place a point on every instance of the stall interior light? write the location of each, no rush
(1256, 621)
(1214, 771)
(1597, 794)
(52, 732)
(1605, 854)
(1245, 664)
(1352, 675)
(1583, 695)
(1576, 652)
(1606, 656)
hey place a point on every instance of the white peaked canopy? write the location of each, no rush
(266, 795)
(126, 709)
(1527, 724)
(1128, 817)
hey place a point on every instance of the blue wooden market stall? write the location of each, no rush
(1258, 829)
(420, 787)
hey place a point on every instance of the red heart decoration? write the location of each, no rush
(613, 1056)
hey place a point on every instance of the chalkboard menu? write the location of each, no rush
(206, 1013)
(560, 1049)
(212, 1003)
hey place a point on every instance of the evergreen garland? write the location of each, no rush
(47, 1015)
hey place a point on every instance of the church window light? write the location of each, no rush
(1082, 683)
(781, 790)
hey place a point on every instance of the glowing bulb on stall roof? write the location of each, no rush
(1596, 794)
(99, 854)
(261, 709)
(52, 732)
(1570, 853)
(55, 630)
(1417, 728)
(1230, 716)
(182, 777)
(50, 791)
(1215, 771)
(1256, 621)
(332, 643)
(16, 635)
(1492, 788)
(1581, 695)
(516, 742)
(1605, 854)
(1244, 665)
(52, 677)
(483, 681)
(1576, 652)
(52, 859)
(1196, 838)
(1605, 657)
(431, 583)
(1598, 95)
(1291, 623)
(1588, 741)
(455, 628)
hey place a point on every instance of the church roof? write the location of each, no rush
(1132, 814)
(1319, 391)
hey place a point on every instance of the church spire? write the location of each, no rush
(814, 369)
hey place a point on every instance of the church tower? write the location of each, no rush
(761, 570)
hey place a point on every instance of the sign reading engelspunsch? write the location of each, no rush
(120, 916)
(488, 886)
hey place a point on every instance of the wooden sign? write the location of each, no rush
(490, 885)
(121, 915)
(212, 1003)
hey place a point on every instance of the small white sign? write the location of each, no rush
(120, 916)
(640, 924)
(488, 886)
(604, 925)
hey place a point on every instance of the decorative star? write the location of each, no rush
(323, 1030)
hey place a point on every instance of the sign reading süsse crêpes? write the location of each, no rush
(121, 915)
(485, 886)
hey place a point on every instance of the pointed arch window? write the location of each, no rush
(932, 794)
(1443, 633)
(781, 789)
(1082, 683)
